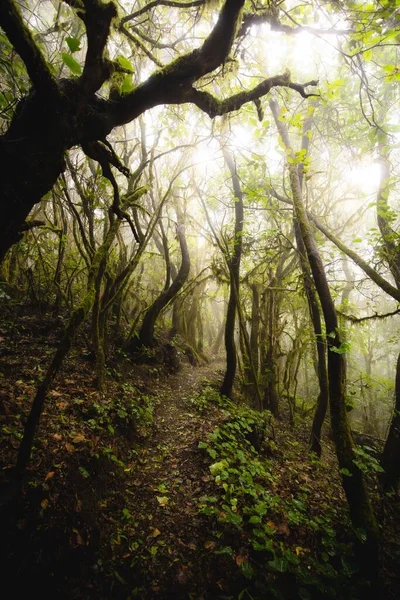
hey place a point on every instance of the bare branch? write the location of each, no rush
(28, 225)
(354, 319)
(214, 107)
(140, 45)
(270, 17)
(356, 258)
(156, 3)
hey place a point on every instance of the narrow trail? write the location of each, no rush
(162, 496)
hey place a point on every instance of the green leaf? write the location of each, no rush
(71, 63)
(125, 64)
(73, 44)
(279, 564)
(162, 500)
(84, 472)
(224, 550)
(345, 472)
(342, 349)
(247, 570)
(254, 519)
(127, 85)
(218, 467)
(361, 534)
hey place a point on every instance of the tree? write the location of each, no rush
(233, 263)
(73, 108)
(361, 511)
(146, 333)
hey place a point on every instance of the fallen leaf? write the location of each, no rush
(69, 447)
(62, 404)
(57, 436)
(44, 503)
(78, 540)
(240, 559)
(283, 529)
(182, 574)
(210, 545)
(78, 437)
(156, 532)
(49, 475)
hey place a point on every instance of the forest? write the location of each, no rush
(199, 299)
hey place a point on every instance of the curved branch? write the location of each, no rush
(368, 270)
(139, 44)
(28, 225)
(172, 84)
(214, 107)
(97, 18)
(269, 16)
(356, 258)
(354, 319)
(146, 334)
(156, 3)
(21, 38)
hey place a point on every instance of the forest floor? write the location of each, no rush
(157, 488)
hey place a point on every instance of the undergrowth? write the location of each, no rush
(282, 546)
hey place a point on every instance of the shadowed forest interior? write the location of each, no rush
(199, 299)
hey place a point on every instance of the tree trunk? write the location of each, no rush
(391, 452)
(361, 512)
(251, 365)
(234, 270)
(146, 334)
(270, 400)
(322, 373)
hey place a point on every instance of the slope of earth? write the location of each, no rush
(157, 488)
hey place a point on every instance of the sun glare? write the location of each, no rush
(364, 176)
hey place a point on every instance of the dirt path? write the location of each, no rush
(167, 537)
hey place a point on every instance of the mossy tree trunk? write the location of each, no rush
(320, 343)
(251, 365)
(270, 348)
(194, 334)
(361, 511)
(146, 333)
(391, 453)
(234, 270)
